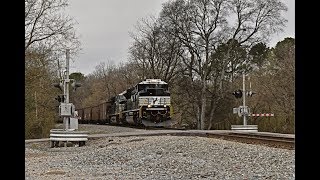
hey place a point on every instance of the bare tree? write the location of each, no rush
(201, 25)
(155, 52)
(107, 81)
(128, 74)
(46, 25)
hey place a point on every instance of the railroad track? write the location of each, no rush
(261, 138)
(268, 140)
(142, 127)
(244, 137)
(271, 140)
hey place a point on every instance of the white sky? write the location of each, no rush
(104, 26)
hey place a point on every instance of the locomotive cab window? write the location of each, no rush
(154, 92)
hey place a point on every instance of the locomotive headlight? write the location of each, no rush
(164, 105)
(149, 106)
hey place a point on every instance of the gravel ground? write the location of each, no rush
(158, 158)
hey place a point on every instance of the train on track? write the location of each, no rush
(145, 104)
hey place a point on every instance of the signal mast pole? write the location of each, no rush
(244, 99)
(66, 88)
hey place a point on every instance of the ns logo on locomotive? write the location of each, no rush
(147, 103)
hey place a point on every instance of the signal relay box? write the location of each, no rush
(66, 109)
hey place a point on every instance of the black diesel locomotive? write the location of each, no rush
(147, 103)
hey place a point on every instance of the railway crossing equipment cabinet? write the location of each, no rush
(66, 109)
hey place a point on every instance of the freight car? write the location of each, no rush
(147, 103)
(94, 115)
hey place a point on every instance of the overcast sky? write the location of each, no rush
(104, 26)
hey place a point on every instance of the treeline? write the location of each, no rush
(269, 74)
(201, 48)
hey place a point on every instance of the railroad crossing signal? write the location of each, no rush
(237, 93)
(58, 85)
(250, 93)
(60, 98)
(75, 85)
(243, 110)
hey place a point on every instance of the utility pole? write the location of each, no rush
(244, 99)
